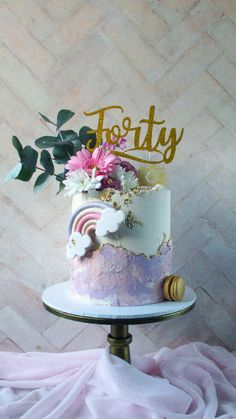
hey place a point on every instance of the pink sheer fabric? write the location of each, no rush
(193, 381)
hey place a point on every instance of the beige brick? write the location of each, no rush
(223, 107)
(84, 94)
(196, 270)
(183, 36)
(78, 61)
(126, 37)
(194, 239)
(33, 17)
(187, 70)
(223, 146)
(143, 17)
(192, 101)
(223, 72)
(22, 44)
(24, 267)
(194, 333)
(228, 7)
(225, 34)
(210, 312)
(172, 11)
(92, 336)
(221, 255)
(221, 180)
(196, 133)
(147, 347)
(24, 83)
(26, 302)
(59, 10)
(22, 333)
(38, 216)
(222, 291)
(221, 218)
(200, 166)
(170, 330)
(188, 210)
(140, 91)
(9, 346)
(76, 27)
(11, 107)
(63, 331)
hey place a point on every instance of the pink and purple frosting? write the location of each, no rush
(118, 277)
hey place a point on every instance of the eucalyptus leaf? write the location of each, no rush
(29, 158)
(25, 175)
(63, 153)
(41, 181)
(46, 161)
(61, 187)
(47, 141)
(13, 173)
(68, 135)
(72, 137)
(86, 137)
(61, 176)
(17, 144)
(63, 116)
(45, 118)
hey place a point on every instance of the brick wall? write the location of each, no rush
(82, 54)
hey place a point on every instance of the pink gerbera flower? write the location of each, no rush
(102, 160)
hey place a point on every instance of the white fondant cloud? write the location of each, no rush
(110, 221)
(78, 245)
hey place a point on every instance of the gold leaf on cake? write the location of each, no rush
(131, 220)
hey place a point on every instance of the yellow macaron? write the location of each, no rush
(174, 288)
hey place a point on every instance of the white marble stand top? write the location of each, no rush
(59, 298)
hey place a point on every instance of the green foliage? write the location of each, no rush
(63, 116)
(63, 153)
(14, 172)
(46, 162)
(17, 144)
(41, 181)
(87, 137)
(46, 141)
(27, 165)
(63, 145)
(29, 158)
(46, 119)
(61, 187)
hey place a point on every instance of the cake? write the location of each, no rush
(126, 267)
(119, 245)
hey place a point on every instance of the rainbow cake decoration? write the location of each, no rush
(119, 236)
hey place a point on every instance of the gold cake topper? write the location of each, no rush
(164, 146)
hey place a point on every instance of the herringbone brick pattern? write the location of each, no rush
(83, 54)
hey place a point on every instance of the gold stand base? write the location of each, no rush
(119, 340)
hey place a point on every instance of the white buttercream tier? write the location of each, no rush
(152, 210)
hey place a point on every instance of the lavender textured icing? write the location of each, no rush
(117, 277)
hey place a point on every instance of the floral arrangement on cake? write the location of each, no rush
(83, 170)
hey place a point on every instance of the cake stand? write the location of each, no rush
(58, 300)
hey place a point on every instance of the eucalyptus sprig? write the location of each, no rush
(62, 146)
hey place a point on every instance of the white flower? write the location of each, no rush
(80, 181)
(110, 221)
(128, 180)
(78, 245)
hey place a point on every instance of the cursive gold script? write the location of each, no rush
(164, 145)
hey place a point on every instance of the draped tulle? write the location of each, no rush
(193, 381)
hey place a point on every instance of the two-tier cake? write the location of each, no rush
(119, 234)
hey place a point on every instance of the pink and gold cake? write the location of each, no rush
(129, 253)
